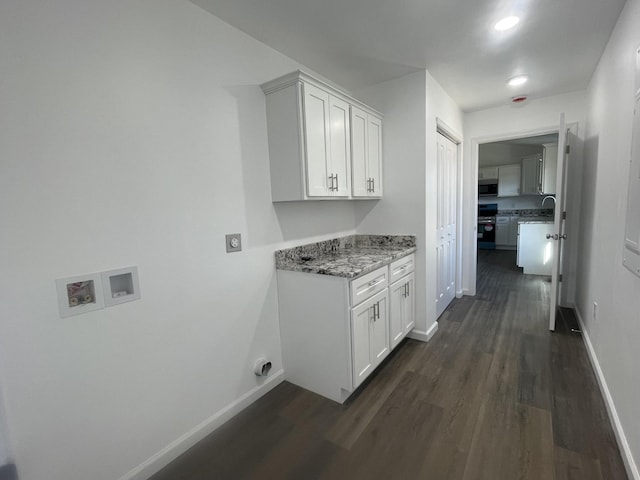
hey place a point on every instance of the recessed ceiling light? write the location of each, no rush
(507, 23)
(519, 80)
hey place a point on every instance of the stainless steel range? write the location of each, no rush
(487, 225)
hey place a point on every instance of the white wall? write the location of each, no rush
(535, 117)
(491, 154)
(615, 334)
(410, 105)
(134, 133)
(401, 210)
(5, 452)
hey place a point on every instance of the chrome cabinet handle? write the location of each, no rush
(555, 236)
(373, 184)
(337, 187)
(376, 311)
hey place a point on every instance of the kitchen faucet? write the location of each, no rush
(552, 198)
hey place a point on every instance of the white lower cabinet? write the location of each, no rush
(369, 335)
(335, 331)
(402, 316)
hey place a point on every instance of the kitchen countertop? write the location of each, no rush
(348, 257)
(535, 220)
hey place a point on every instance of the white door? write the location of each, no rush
(446, 222)
(558, 224)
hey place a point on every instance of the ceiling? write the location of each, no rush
(357, 43)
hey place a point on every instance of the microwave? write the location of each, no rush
(487, 188)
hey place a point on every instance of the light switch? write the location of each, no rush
(234, 242)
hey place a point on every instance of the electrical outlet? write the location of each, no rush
(234, 242)
(595, 311)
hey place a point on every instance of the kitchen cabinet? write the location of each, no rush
(402, 317)
(507, 232)
(539, 171)
(369, 335)
(534, 249)
(366, 153)
(336, 331)
(402, 303)
(550, 168)
(311, 144)
(328, 148)
(488, 173)
(509, 180)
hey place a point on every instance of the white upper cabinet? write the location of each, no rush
(488, 173)
(313, 142)
(550, 168)
(366, 153)
(539, 171)
(509, 180)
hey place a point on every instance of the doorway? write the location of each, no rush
(516, 201)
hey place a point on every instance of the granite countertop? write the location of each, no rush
(348, 257)
(535, 220)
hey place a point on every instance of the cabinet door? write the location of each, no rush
(530, 175)
(402, 312)
(379, 333)
(339, 147)
(369, 335)
(509, 180)
(550, 168)
(397, 292)
(366, 153)
(361, 318)
(316, 120)
(502, 230)
(374, 160)
(359, 145)
(488, 173)
(409, 313)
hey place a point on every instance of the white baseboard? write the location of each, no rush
(424, 336)
(459, 293)
(193, 436)
(627, 456)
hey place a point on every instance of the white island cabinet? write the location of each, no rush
(534, 248)
(321, 141)
(335, 331)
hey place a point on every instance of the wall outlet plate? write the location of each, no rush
(234, 242)
(79, 294)
(120, 286)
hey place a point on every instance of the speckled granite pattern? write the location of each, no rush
(530, 212)
(349, 256)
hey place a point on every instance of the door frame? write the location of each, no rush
(472, 222)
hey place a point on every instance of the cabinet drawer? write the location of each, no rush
(368, 285)
(401, 267)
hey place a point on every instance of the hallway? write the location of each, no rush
(494, 395)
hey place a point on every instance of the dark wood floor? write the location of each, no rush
(494, 395)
